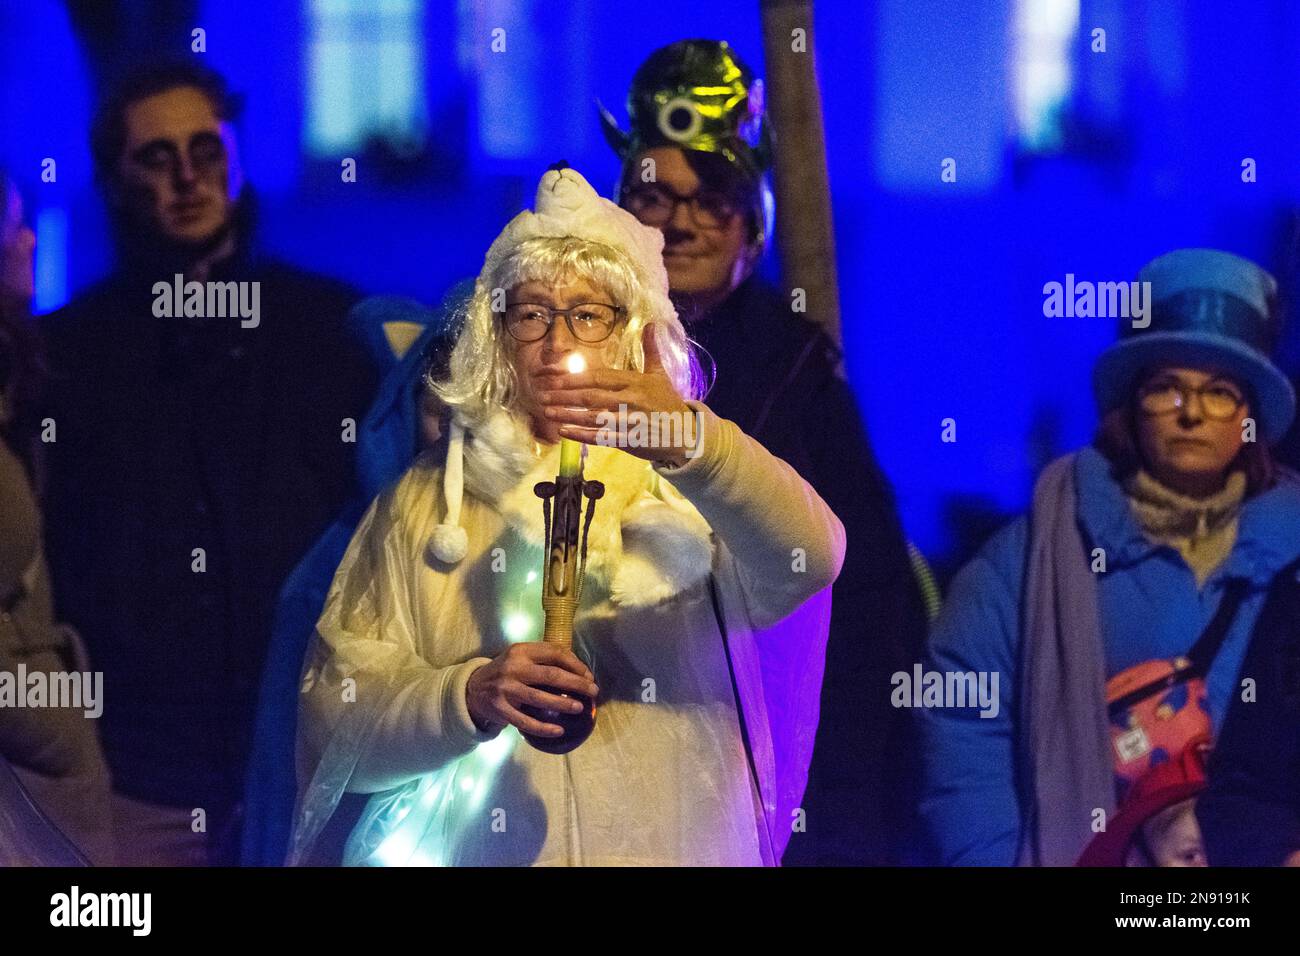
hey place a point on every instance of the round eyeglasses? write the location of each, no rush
(588, 322)
(1219, 401)
(655, 206)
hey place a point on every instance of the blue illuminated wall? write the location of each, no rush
(941, 282)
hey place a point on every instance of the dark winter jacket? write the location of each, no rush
(1150, 608)
(1250, 814)
(776, 379)
(196, 460)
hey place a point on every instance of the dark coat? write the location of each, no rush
(777, 380)
(1250, 814)
(178, 434)
(1150, 606)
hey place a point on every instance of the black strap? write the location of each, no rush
(740, 712)
(1207, 645)
(1202, 653)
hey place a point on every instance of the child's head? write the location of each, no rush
(1170, 837)
(1156, 822)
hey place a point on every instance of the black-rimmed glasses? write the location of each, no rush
(588, 322)
(655, 205)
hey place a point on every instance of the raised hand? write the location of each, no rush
(602, 406)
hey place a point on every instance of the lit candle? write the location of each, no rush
(570, 450)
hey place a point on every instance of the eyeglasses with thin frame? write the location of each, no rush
(588, 322)
(1219, 400)
(655, 205)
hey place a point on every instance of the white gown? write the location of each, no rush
(664, 779)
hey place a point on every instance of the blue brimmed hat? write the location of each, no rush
(1207, 309)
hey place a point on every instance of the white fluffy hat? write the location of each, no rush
(566, 206)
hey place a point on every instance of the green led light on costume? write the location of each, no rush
(518, 625)
(440, 805)
(417, 825)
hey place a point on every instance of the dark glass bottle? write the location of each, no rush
(577, 726)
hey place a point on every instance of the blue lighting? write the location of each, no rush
(51, 259)
(940, 280)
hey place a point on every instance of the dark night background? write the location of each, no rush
(1068, 160)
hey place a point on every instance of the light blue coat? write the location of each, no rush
(1150, 607)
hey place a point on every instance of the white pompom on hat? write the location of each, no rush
(565, 207)
(450, 542)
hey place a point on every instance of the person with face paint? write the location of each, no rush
(694, 164)
(201, 448)
(1149, 554)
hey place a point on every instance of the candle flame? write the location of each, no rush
(576, 363)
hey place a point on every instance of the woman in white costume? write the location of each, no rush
(703, 619)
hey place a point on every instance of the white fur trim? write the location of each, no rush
(665, 551)
(499, 452)
(647, 542)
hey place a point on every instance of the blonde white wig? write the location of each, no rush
(571, 234)
(482, 376)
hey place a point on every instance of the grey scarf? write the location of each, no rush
(1064, 764)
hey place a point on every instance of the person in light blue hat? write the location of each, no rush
(1208, 308)
(1131, 547)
